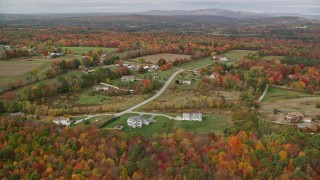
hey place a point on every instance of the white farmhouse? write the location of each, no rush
(188, 82)
(192, 117)
(138, 122)
(101, 87)
(62, 121)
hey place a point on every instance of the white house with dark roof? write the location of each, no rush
(138, 121)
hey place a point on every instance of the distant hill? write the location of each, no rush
(223, 13)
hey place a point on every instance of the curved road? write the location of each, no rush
(164, 87)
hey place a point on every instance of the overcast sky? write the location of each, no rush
(90, 6)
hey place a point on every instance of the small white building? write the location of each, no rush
(16, 114)
(138, 122)
(192, 117)
(223, 59)
(154, 67)
(188, 82)
(101, 87)
(62, 121)
(126, 79)
(307, 119)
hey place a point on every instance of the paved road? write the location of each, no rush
(264, 93)
(130, 110)
(164, 87)
(156, 114)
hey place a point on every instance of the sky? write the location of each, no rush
(106, 6)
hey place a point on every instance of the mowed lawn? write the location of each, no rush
(210, 123)
(155, 57)
(236, 55)
(84, 50)
(275, 94)
(196, 64)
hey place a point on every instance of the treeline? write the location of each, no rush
(300, 61)
(13, 102)
(14, 53)
(33, 150)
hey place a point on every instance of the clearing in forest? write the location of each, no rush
(155, 57)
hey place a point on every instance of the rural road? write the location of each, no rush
(130, 110)
(264, 93)
(164, 87)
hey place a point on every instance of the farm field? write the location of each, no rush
(236, 55)
(18, 69)
(155, 57)
(84, 50)
(195, 64)
(276, 94)
(287, 101)
(212, 123)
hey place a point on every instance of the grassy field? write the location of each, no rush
(287, 101)
(18, 69)
(78, 117)
(216, 124)
(51, 80)
(275, 94)
(88, 97)
(236, 55)
(155, 57)
(197, 63)
(272, 57)
(84, 50)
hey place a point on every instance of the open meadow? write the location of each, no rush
(14, 70)
(236, 55)
(196, 64)
(155, 57)
(84, 50)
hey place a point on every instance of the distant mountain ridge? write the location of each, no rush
(198, 12)
(222, 12)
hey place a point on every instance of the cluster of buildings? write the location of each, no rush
(302, 120)
(5, 47)
(294, 117)
(150, 68)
